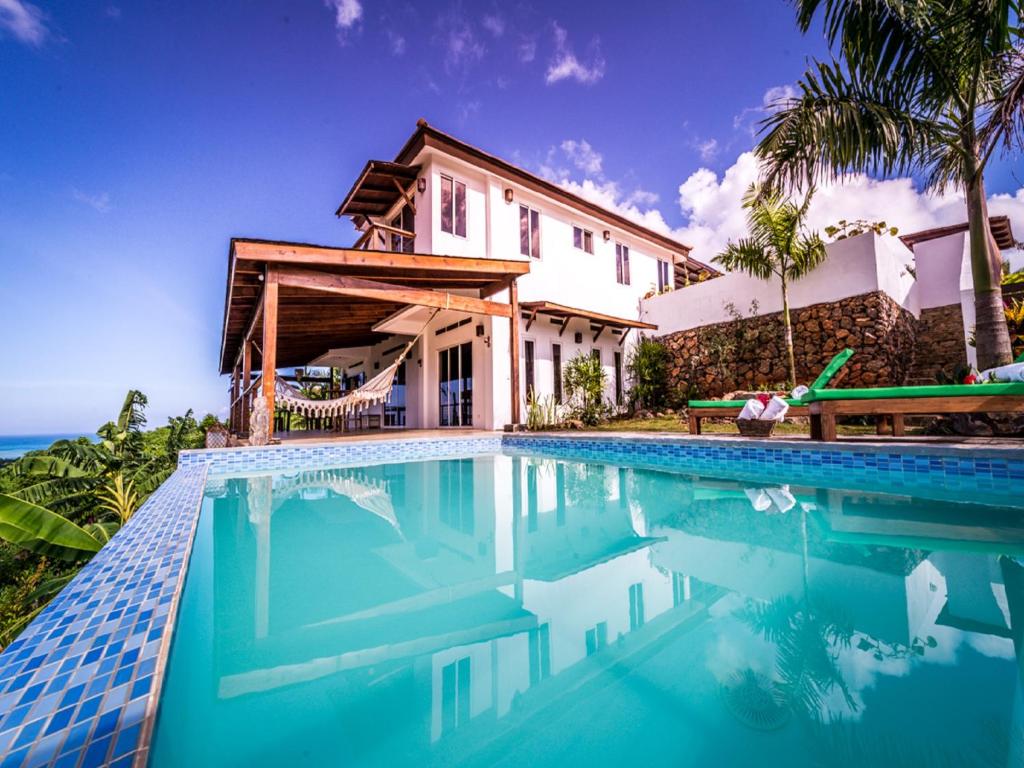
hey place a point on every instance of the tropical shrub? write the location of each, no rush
(584, 381)
(844, 229)
(541, 412)
(647, 367)
(58, 507)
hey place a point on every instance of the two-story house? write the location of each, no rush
(580, 271)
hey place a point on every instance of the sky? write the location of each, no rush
(139, 136)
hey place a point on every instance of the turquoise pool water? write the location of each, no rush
(511, 611)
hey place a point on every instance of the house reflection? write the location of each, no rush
(442, 603)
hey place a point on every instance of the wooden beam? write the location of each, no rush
(392, 230)
(233, 410)
(565, 324)
(600, 330)
(497, 286)
(399, 294)
(406, 194)
(533, 316)
(246, 381)
(319, 256)
(513, 303)
(363, 238)
(269, 350)
(625, 333)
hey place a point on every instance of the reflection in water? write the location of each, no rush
(506, 609)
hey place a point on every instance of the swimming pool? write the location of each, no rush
(540, 604)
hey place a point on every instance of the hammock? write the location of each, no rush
(376, 390)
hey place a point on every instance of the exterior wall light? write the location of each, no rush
(607, 235)
(509, 194)
(421, 185)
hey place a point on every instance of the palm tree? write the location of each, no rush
(931, 87)
(778, 245)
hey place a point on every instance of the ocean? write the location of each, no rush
(13, 446)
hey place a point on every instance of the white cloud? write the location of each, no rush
(347, 14)
(527, 51)
(100, 201)
(396, 42)
(583, 156)
(23, 20)
(771, 100)
(565, 65)
(707, 150)
(462, 47)
(713, 205)
(494, 24)
(642, 197)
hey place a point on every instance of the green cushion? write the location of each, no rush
(931, 390)
(832, 369)
(1020, 358)
(737, 404)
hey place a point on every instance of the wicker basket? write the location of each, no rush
(756, 427)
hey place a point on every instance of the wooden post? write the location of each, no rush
(246, 380)
(233, 408)
(513, 300)
(269, 346)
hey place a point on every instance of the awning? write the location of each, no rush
(531, 309)
(378, 188)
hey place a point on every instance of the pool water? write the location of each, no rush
(511, 611)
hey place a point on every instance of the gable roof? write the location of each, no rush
(1000, 226)
(427, 135)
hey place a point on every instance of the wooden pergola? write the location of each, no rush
(288, 303)
(598, 320)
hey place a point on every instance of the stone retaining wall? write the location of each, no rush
(749, 353)
(940, 343)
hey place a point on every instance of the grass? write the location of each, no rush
(674, 424)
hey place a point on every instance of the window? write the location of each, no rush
(455, 692)
(618, 378)
(556, 365)
(406, 220)
(597, 638)
(394, 406)
(583, 239)
(596, 354)
(529, 232)
(453, 206)
(636, 606)
(540, 653)
(664, 281)
(455, 495)
(622, 264)
(530, 379)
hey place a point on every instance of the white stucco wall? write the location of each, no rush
(854, 266)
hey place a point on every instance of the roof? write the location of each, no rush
(1000, 226)
(378, 188)
(311, 322)
(428, 136)
(564, 312)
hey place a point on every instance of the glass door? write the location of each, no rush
(455, 386)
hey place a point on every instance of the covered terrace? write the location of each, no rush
(288, 303)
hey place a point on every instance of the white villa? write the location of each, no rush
(484, 236)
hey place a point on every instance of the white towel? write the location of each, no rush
(1011, 372)
(752, 409)
(799, 391)
(775, 410)
(782, 498)
(759, 500)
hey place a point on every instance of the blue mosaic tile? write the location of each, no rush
(77, 686)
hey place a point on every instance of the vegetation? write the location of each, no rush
(777, 245)
(584, 381)
(1014, 312)
(647, 367)
(58, 507)
(931, 87)
(541, 412)
(844, 229)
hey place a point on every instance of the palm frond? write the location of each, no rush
(747, 255)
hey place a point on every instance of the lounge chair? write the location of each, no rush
(702, 409)
(897, 402)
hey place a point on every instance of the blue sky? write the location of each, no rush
(146, 134)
